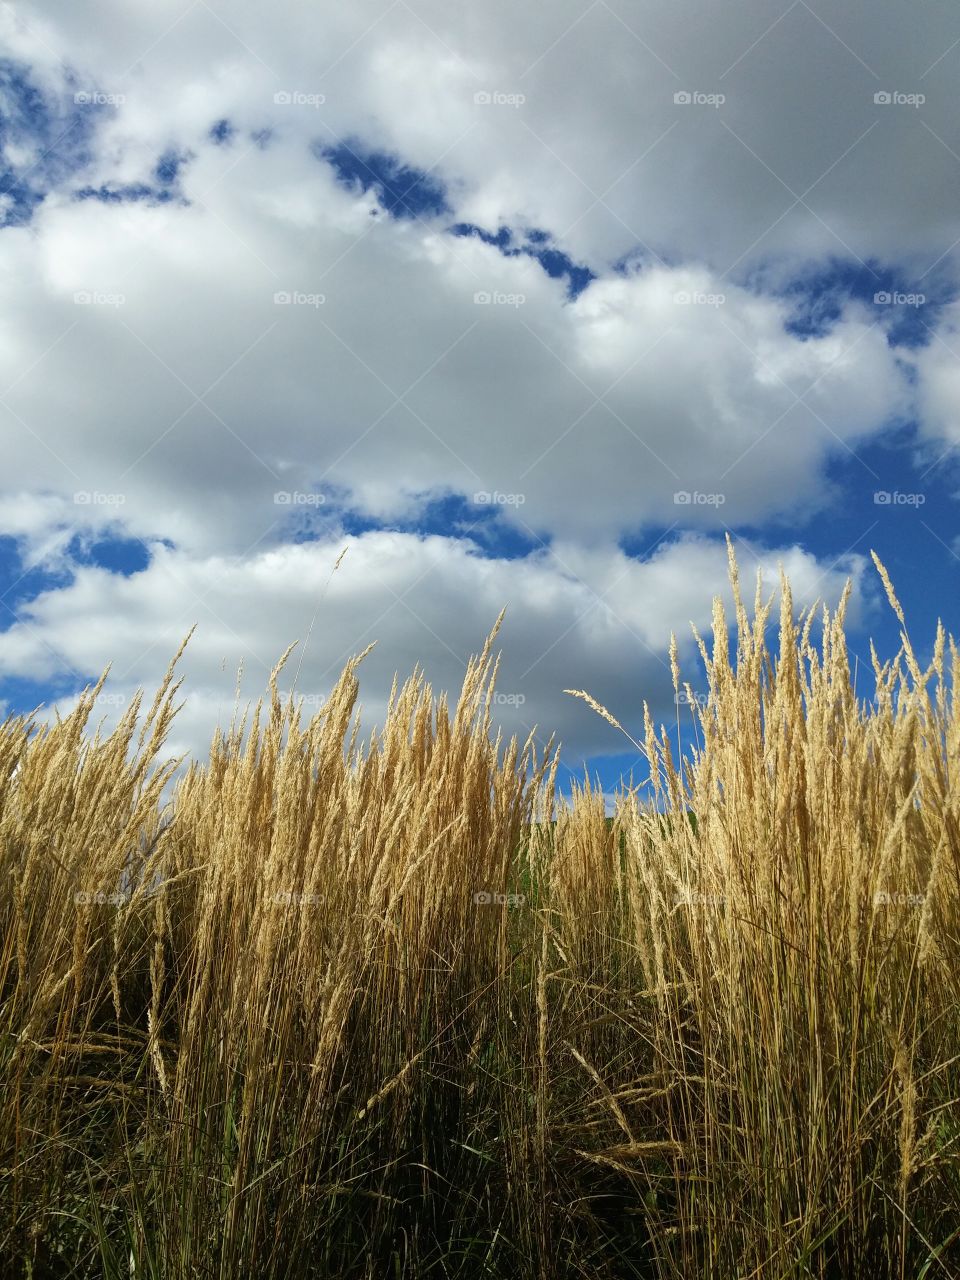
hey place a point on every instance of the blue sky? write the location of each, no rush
(527, 310)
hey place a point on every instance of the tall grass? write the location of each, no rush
(385, 1008)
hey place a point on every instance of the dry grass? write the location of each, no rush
(269, 1030)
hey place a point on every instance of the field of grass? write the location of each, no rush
(385, 1009)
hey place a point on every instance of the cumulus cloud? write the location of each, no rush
(350, 355)
(798, 157)
(597, 620)
(938, 381)
(225, 347)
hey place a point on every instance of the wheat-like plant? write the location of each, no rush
(376, 1008)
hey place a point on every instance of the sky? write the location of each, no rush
(523, 306)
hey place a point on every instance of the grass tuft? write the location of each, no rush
(386, 1008)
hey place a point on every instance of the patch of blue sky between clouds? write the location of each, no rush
(888, 495)
(536, 244)
(642, 256)
(407, 192)
(403, 192)
(624, 771)
(123, 556)
(21, 583)
(164, 187)
(44, 139)
(626, 768)
(477, 518)
(222, 133)
(20, 696)
(20, 586)
(893, 498)
(907, 309)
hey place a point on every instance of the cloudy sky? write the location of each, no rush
(523, 305)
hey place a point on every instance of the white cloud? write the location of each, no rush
(392, 380)
(799, 158)
(938, 388)
(575, 619)
(180, 398)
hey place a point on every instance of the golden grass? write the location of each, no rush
(386, 1009)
